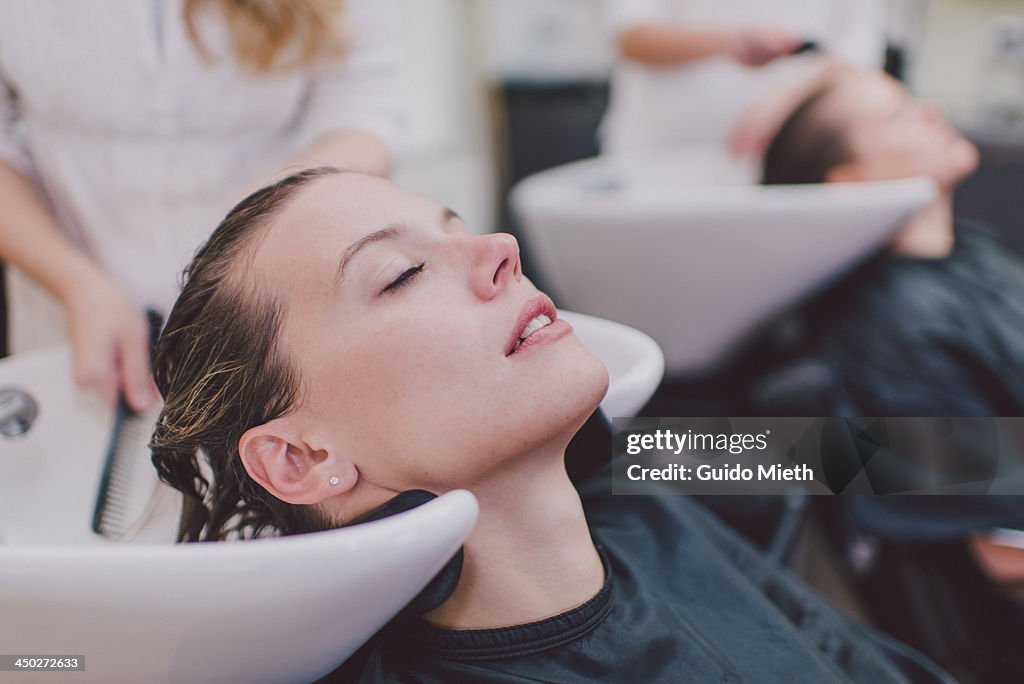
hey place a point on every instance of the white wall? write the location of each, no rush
(448, 154)
(952, 65)
(546, 39)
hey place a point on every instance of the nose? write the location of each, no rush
(931, 112)
(496, 264)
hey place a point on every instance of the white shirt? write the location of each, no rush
(702, 101)
(140, 146)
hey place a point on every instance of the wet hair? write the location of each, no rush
(221, 371)
(805, 148)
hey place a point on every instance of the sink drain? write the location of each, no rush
(18, 410)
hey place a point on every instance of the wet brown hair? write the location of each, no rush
(220, 370)
(262, 31)
(805, 148)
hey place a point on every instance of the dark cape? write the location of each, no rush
(905, 336)
(685, 600)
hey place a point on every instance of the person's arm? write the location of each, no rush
(355, 109)
(353, 149)
(662, 45)
(1000, 554)
(354, 113)
(109, 334)
(758, 125)
(854, 39)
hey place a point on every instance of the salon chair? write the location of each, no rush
(142, 609)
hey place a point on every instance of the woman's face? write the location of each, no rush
(401, 325)
(890, 134)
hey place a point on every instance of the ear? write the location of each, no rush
(845, 173)
(275, 456)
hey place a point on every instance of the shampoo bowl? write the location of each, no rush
(690, 250)
(273, 610)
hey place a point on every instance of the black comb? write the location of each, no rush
(110, 516)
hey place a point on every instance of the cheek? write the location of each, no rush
(898, 158)
(441, 409)
(395, 369)
(408, 390)
(934, 150)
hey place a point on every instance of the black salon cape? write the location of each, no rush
(906, 336)
(912, 336)
(685, 600)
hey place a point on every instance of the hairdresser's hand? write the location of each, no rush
(754, 131)
(760, 123)
(1003, 564)
(758, 46)
(110, 342)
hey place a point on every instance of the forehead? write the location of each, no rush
(307, 236)
(860, 94)
(341, 208)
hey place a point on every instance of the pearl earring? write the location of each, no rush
(334, 480)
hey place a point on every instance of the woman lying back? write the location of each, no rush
(340, 341)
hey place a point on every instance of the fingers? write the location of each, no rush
(750, 137)
(762, 45)
(112, 357)
(742, 142)
(136, 379)
(783, 43)
(95, 369)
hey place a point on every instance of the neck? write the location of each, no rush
(530, 555)
(929, 232)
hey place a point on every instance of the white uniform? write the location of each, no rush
(140, 146)
(701, 102)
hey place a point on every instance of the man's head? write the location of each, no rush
(351, 341)
(864, 126)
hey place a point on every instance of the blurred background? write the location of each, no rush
(504, 88)
(716, 269)
(500, 89)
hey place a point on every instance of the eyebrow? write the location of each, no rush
(391, 232)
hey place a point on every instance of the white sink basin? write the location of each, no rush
(50, 475)
(147, 610)
(689, 250)
(274, 610)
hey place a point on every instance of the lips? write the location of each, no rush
(537, 305)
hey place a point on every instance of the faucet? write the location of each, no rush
(18, 411)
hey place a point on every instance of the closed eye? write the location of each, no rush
(406, 277)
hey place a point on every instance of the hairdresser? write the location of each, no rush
(127, 128)
(726, 72)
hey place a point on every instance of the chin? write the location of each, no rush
(581, 388)
(600, 379)
(590, 390)
(964, 159)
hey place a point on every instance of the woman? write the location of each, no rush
(946, 292)
(124, 125)
(933, 325)
(339, 341)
